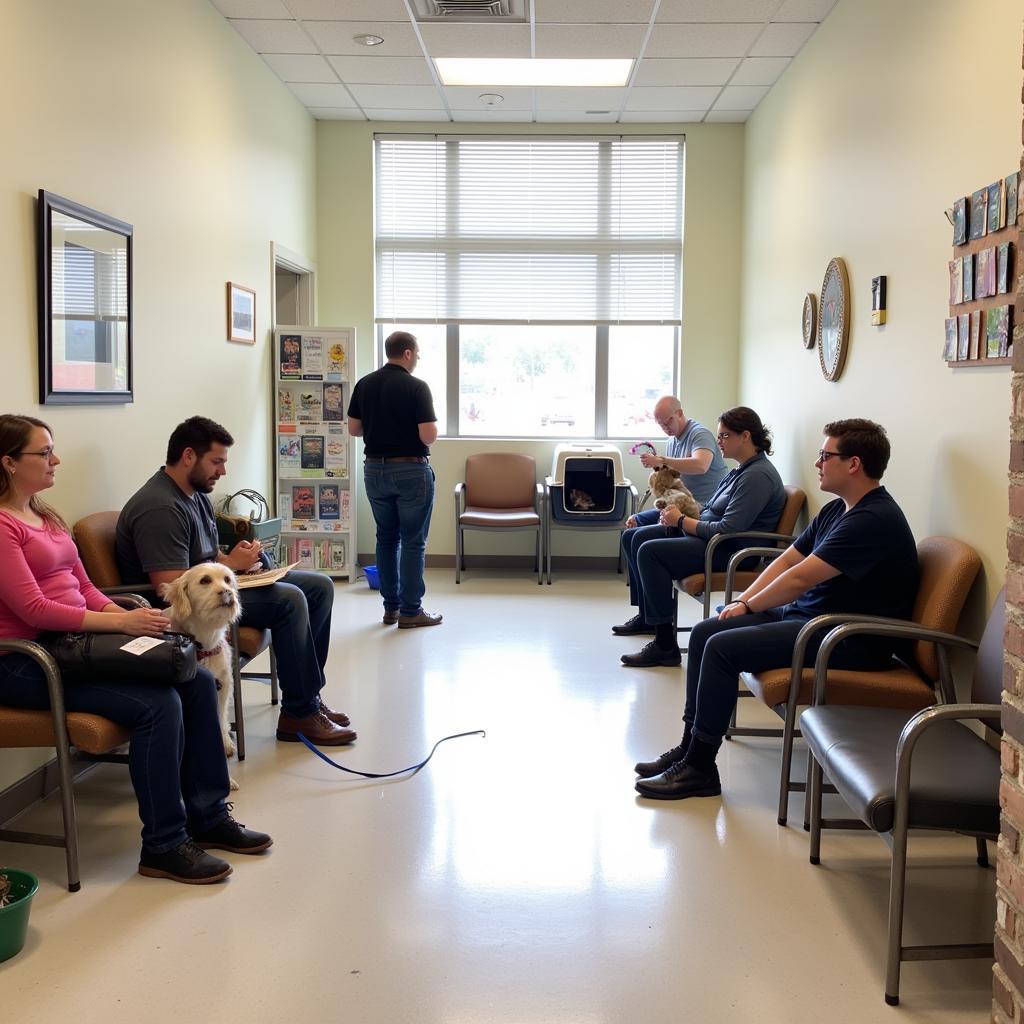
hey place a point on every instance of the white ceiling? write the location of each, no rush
(696, 60)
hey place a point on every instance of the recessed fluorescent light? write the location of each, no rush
(533, 71)
(368, 40)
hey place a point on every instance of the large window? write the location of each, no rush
(541, 276)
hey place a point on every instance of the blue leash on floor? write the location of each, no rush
(412, 769)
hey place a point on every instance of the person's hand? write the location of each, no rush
(630, 522)
(143, 622)
(670, 516)
(734, 610)
(651, 461)
(243, 556)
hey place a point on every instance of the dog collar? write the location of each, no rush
(209, 654)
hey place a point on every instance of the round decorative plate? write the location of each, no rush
(809, 320)
(834, 320)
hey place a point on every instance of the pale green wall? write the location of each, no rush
(158, 113)
(890, 112)
(711, 279)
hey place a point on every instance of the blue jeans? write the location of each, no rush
(176, 757)
(402, 498)
(720, 649)
(297, 611)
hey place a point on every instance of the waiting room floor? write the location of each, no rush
(517, 879)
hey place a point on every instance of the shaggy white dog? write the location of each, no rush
(203, 601)
(668, 489)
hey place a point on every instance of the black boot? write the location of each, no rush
(645, 769)
(695, 775)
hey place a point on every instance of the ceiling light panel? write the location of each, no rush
(565, 73)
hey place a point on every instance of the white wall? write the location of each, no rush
(159, 114)
(711, 277)
(890, 112)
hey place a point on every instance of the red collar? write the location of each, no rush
(209, 654)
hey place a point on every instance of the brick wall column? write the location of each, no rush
(1008, 973)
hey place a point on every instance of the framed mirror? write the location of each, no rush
(85, 304)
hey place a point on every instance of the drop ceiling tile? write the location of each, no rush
(405, 97)
(741, 97)
(575, 117)
(662, 116)
(488, 116)
(383, 70)
(692, 71)
(701, 40)
(589, 40)
(349, 10)
(465, 97)
(467, 40)
(387, 114)
(804, 10)
(274, 36)
(322, 95)
(300, 67)
(672, 98)
(727, 116)
(579, 99)
(335, 37)
(586, 11)
(716, 10)
(253, 9)
(760, 70)
(337, 114)
(783, 40)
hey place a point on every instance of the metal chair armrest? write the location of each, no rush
(741, 556)
(893, 628)
(42, 657)
(721, 538)
(128, 600)
(538, 497)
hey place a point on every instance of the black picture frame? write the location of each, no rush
(85, 304)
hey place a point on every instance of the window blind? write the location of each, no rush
(487, 229)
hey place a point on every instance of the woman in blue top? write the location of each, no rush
(749, 497)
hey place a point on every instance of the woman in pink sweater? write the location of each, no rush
(176, 757)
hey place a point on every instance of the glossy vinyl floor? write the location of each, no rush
(517, 879)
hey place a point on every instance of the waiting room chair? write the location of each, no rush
(948, 570)
(91, 735)
(499, 495)
(704, 584)
(95, 536)
(899, 770)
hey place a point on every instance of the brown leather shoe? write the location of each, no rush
(317, 728)
(337, 717)
(421, 618)
(390, 616)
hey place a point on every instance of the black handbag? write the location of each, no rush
(99, 656)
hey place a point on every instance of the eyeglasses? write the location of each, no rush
(723, 436)
(44, 452)
(824, 456)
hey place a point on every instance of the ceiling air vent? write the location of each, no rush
(471, 10)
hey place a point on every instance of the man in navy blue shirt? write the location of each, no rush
(857, 556)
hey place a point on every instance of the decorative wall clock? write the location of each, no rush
(810, 320)
(834, 320)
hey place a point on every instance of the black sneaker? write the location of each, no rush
(634, 627)
(232, 836)
(651, 654)
(185, 863)
(681, 781)
(645, 769)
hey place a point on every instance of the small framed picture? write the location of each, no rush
(241, 314)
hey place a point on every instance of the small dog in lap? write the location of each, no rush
(203, 601)
(669, 490)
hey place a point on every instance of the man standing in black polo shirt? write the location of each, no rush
(394, 412)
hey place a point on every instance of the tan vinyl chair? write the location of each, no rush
(697, 585)
(95, 536)
(948, 570)
(89, 734)
(499, 495)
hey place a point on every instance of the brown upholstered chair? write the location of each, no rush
(697, 585)
(95, 536)
(948, 570)
(89, 734)
(500, 494)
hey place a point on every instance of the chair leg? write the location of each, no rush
(788, 730)
(540, 557)
(982, 848)
(897, 893)
(458, 552)
(239, 716)
(807, 791)
(68, 812)
(547, 541)
(814, 790)
(275, 688)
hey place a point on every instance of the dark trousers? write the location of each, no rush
(720, 649)
(297, 611)
(176, 757)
